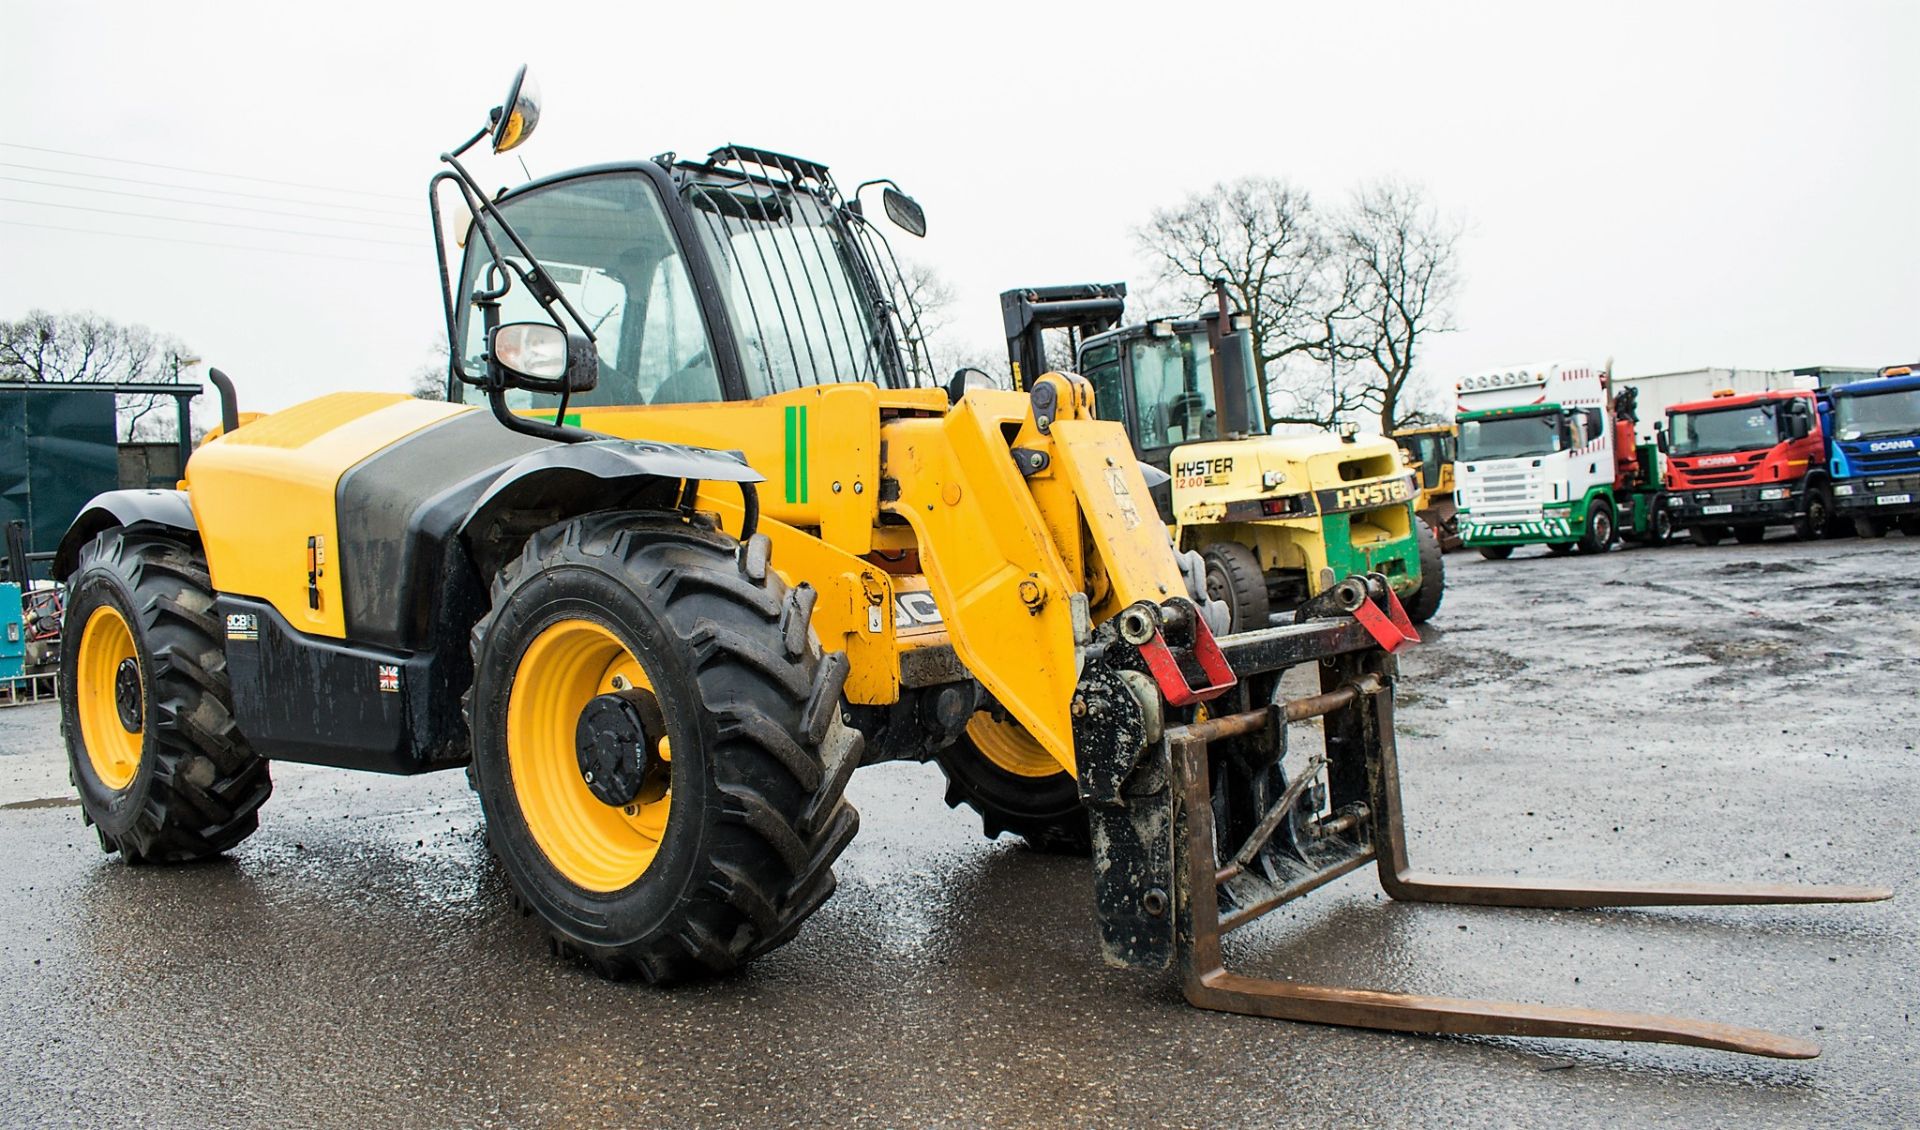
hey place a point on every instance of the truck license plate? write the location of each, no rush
(1723, 508)
(1894, 499)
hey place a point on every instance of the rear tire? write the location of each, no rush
(1749, 535)
(1870, 527)
(1910, 525)
(1433, 575)
(1706, 536)
(1234, 577)
(1660, 523)
(999, 771)
(1496, 552)
(163, 772)
(729, 843)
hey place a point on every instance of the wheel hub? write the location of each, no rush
(617, 742)
(126, 694)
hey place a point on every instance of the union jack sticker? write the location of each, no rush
(389, 679)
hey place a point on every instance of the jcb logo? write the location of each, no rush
(915, 610)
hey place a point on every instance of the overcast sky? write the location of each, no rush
(1670, 184)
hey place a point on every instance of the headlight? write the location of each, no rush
(1773, 494)
(1843, 488)
(1271, 479)
(1560, 511)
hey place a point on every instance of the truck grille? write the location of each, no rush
(1739, 471)
(1866, 462)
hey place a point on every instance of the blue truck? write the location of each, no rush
(1874, 452)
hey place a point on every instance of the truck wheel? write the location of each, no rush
(1749, 535)
(162, 771)
(1559, 548)
(1660, 524)
(1813, 525)
(1001, 772)
(1599, 535)
(1910, 526)
(1496, 552)
(1869, 527)
(1235, 578)
(657, 782)
(1707, 535)
(1433, 575)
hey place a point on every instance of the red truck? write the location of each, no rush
(1738, 463)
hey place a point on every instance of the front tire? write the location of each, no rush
(1869, 528)
(997, 769)
(1234, 577)
(1706, 537)
(1433, 575)
(724, 840)
(1600, 529)
(163, 773)
(1496, 552)
(1813, 525)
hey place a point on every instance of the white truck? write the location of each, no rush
(1544, 458)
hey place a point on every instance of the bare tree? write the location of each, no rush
(63, 348)
(1265, 238)
(1402, 255)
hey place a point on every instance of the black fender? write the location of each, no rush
(168, 509)
(566, 480)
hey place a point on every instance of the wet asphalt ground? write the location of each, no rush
(1738, 713)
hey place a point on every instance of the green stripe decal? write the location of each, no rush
(793, 449)
(803, 453)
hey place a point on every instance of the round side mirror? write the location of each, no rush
(516, 117)
(965, 379)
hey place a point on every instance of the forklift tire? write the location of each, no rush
(1749, 535)
(1496, 552)
(1600, 530)
(662, 655)
(1433, 575)
(1869, 527)
(164, 774)
(999, 771)
(1235, 579)
(1813, 525)
(1706, 536)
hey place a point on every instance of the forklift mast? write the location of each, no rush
(1081, 308)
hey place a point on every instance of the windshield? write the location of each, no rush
(1877, 414)
(606, 242)
(1433, 450)
(801, 302)
(1511, 437)
(1173, 389)
(1719, 430)
(1100, 364)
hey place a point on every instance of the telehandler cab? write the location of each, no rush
(747, 549)
(1276, 519)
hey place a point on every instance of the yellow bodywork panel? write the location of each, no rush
(818, 447)
(264, 498)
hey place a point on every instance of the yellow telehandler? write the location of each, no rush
(741, 546)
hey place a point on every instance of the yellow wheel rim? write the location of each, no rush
(597, 846)
(1009, 746)
(112, 691)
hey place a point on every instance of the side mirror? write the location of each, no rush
(904, 211)
(1660, 437)
(965, 379)
(544, 358)
(1800, 423)
(515, 118)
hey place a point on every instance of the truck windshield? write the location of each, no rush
(1894, 413)
(1718, 430)
(1511, 437)
(1173, 389)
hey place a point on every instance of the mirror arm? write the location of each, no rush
(537, 278)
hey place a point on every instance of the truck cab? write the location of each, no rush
(1739, 463)
(1535, 462)
(1875, 452)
